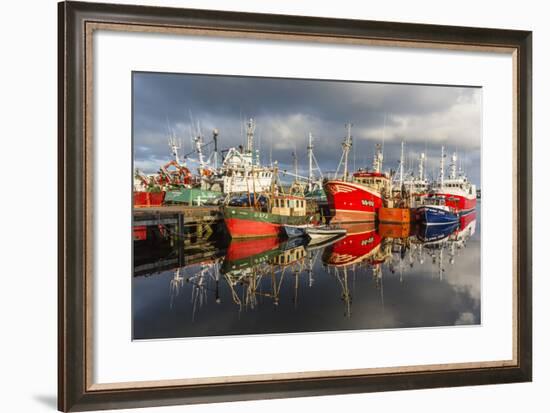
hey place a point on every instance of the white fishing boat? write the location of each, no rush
(241, 171)
(324, 231)
(457, 189)
(293, 231)
(322, 242)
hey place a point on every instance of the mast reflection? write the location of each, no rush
(249, 273)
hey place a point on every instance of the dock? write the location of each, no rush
(171, 213)
(180, 221)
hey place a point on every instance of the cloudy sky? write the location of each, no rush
(286, 110)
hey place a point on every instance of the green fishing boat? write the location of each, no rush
(193, 196)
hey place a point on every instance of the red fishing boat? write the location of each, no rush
(358, 198)
(459, 193)
(358, 245)
(150, 190)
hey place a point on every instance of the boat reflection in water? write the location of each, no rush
(376, 276)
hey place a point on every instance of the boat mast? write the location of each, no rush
(174, 146)
(347, 145)
(453, 166)
(295, 164)
(198, 148)
(442, 166)
(401, 161)
(215, 134)
(421, 166)
(310, 159)
(441, 269)
(378, 158)
(250, 127)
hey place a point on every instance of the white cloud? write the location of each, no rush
(457, 125)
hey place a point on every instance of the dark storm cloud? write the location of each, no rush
(286, 110)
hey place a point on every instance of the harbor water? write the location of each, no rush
(200, 283)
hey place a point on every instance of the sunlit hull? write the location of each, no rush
(243, 228)
(349, 202)
(461, 203)
(429, 215)
(249, 223)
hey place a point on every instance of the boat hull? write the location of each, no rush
(461, 203)
(318, 243)
(352, 249)
(435, 233)
(294, 231)
(435, 216)
(192, 196)
(316, 233)
(148, 199)
(249, 223)
(246, 253)
(351, 202)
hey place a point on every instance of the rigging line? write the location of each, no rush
(194, 150)
(353, 146)
(241, 123)
(384, 133)
(193, 131)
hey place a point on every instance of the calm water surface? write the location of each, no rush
(375, 277)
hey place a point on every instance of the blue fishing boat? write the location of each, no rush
(435, 212)
(431, 215)
(435, 233)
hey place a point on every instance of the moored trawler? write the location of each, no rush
(150, 190)
(458, 191)
(266, 221)
(240, 171)
(434, 211)
(358, 195)
(360, 198)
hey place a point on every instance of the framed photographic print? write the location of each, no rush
(261, 206)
